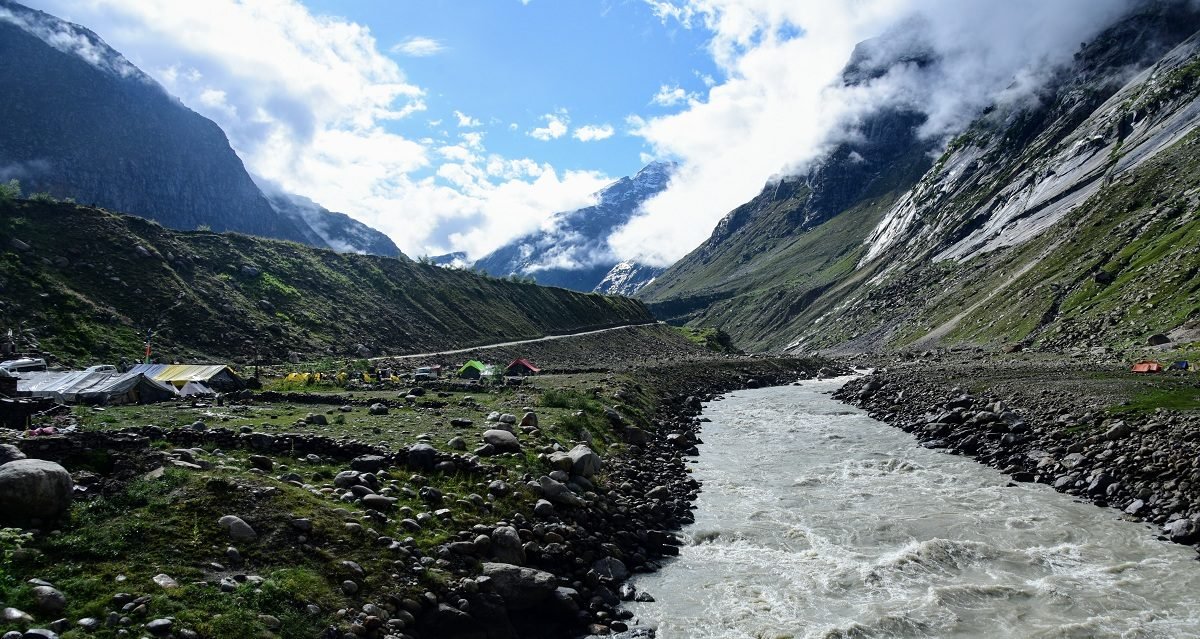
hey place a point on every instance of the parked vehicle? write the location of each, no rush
(24, 365)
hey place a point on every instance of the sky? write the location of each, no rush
(458, 125)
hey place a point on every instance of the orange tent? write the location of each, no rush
(1147, 367)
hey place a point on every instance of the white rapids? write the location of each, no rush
(818, 521)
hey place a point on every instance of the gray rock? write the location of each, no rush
(543, 508)
(39, 633)
(160, 627)
(611, 568)
(584, 461)
(507, 547)
(508, 418)
(558, 493)
(261, 462)
(165, 581)
(19, 245)
(8, 453)
(521, 588)
(378, 409)
(89, 624)
(560, 461)
(15, 615)
(316, 419)
(422, 456)
(49, 601)
(502, 440)
(367, 463)
(33, 489)
(529, 419)
(238, 529)
(378, 502)
(347, 478)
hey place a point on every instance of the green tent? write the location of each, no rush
(472, 370)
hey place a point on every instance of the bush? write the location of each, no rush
(10, 190)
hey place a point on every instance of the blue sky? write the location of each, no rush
(503, 63)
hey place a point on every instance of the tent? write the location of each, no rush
(520, 368)
(216, 376)
(127, 388)
(472, 370)
(1147, 367)
(94, 387)
(196, 388)
(1180, 366)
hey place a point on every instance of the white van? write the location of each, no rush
(24, 365)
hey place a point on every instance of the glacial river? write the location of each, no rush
(817, 521)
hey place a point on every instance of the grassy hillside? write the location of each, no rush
(87, 284)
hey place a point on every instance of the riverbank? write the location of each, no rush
(433, 511)
(1097, 432)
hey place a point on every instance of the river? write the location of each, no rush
(818, 521)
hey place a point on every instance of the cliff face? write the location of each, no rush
(920, 251)
(81, 122)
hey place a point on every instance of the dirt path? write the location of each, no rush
(504, 344)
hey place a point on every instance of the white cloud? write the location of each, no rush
(670, 95)
(775, 110)
(307, 102)
(418, 47)
(592, 132)
(465, 120)
(556, 126)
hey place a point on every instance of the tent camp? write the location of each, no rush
(472, 370)
(520, 368)
(216, 376)
(1181, 365)
(1147, 367)
(196, 389)
(94, 387)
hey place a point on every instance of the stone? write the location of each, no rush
(502, 440)
(261, 462)
(367, 463)
(160, 627)
(238, 529)
(457, 443)
(560, 460)
(8, 453)
(39, 633)
(506, 546)
(15, 615)
(584, 461)
(349, 587)
(378, 502)
(1158, 339)
(422, 456)
(521, 588)
(1180, 531)
(316, 419)
(558, 493)
(611, 568)
(347, 478)
(49, 601)
(460, 422)
(529, 419)
(165, 581)
(378, 409)
(543, 508)
(33, 489)
(508, 418)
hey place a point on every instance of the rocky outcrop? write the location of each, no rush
(33, 492)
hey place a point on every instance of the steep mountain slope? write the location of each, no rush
(573, 253)
(87, 283)
(999, 239)
(82, 122)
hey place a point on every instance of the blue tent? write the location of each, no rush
(1179, 366)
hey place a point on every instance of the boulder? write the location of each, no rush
(507, 546)
(529, 419)
(422, 456)
(558, 493)
(367, 463)
(584, 461)
(8, 453)
(521, 588)
(33, 489)
(1158, 339)
(611, 568)
(49, 601)
(378, 409)
(502, 440)
(237, 528)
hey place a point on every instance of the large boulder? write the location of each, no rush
(521, 588)
(33, 491)
(502, 440)
(507, 546)
(422, 456)
(584, 461)
(558, 493)
(8, 453)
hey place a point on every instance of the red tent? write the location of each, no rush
(1147, 367)
(521, 368)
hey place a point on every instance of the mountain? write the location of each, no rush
(88, 284)
(457, 259)
(82, 122)
(627, 278)
(1062, 222)
(573, 252)
(338, 231)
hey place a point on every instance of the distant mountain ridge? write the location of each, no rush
(83, 122)
(574, 253)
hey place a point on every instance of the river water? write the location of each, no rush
(818, 521)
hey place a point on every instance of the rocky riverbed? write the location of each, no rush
(1089, 431)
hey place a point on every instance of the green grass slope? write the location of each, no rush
(87, 284)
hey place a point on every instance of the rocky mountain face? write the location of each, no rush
(1065, 222)
(82, 122)
(627, 278)
(338, 231)
(573, 252)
